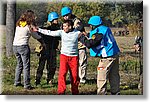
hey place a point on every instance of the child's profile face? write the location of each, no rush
(66, 27)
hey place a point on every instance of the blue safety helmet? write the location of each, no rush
(95, 20)
(65, 11)
(52, 16)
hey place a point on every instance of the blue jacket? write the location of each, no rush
(108, 46)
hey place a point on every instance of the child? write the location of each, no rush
(21, 47)
(68, 56)
(66, 13)
(48, 55)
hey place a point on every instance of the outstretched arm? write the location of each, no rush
(47, 32)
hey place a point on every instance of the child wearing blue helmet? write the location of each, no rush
(68, 57)
(66, 13)
(49, 54)
(103, 45)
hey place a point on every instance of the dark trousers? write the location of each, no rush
(47, 57)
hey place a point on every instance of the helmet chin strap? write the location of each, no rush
(93, 27)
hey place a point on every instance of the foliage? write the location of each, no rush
(126, 13)
(113, 13)
(130, 65)
(81, 9)
(38, 8)
(133, 28)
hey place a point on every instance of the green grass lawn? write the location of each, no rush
(128, 82)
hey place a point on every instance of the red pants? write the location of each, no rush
(71, 63)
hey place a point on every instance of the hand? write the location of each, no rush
(85, 33)
(80, 34)
(34, 29)
(137, 47)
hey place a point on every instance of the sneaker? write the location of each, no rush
(21, 85)
(101, 91)
(29, 88)
(50, 83)
(82, 81)
(117, 93)
(37, 83)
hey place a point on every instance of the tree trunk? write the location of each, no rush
(10, 27)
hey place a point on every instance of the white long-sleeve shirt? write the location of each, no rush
(69, 41)
(22, 35)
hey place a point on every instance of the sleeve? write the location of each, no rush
(94, 41)
(49, 32)
(35, 35)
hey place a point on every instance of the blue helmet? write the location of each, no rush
(95, 20)
(65, 11)
(52, 16)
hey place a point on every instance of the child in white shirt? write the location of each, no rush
(68, 56)
(21, 47)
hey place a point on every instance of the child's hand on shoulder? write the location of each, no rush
(34, 28)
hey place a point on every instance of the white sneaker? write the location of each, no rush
(82, 81)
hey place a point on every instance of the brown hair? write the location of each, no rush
(27, 16)
(70, 22)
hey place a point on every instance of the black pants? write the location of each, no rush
(47, 57)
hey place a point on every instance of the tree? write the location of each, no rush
(10, 26)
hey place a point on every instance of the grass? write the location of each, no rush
(128, 81)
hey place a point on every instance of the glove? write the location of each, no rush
(38, 48)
